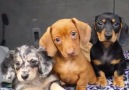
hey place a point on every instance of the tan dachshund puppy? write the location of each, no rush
(62, 41)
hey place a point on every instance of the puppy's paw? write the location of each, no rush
(119, 82)
(56, 86)
(102, 82)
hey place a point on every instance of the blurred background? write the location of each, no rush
(26, 20)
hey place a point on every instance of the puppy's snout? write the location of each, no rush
(25, 75)
(70, 52)
(108, 35)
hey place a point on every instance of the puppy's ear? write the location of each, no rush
(47, 42)
(123, 37)
(7, 69)
(40, 49)
(93, 33)
(46, 65)
(84, 30)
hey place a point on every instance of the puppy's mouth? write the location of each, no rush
(107, 36)
(25, 76)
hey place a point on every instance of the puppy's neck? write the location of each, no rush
(107, 44)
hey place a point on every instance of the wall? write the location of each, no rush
(24, 15)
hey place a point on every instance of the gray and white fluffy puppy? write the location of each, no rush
(33, 69)
(7, 71)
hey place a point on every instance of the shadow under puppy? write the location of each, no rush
(33, 70)
(62, 42)
(106, 53)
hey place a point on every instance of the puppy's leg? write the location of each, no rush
(118, 74)
(102, 81)
(82, 82)
(118, 80)
(56, 86)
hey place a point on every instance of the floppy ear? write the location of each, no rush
(45, 65)
(7, 69)
(93, 33)
(46, 42)
(84, 30)
(124, 37)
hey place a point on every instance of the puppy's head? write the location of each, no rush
(65, 36)
(108, 27)
(29, 63)
(7, 69)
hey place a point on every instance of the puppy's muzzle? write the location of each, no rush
(25, 75)
(108, 35)
(70, 52)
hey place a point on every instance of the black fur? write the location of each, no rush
(7, 62)
(124, 34)
(103, 54)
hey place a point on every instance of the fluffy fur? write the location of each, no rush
(62, 41)
(7, 69)
(32, 67)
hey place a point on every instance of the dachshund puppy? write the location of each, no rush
(62, 42)
(32, 67)
(106, 54)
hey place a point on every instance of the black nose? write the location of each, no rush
(108, 37)
(25, 76)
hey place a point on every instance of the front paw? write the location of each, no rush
(119, 82)
(56, 86)
(80, 87)
(101, 82)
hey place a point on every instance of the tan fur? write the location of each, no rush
(41, 84)
(115, 62)
(97, 62)
(103, 20)
(113, 20)
(102, 38)
(102, 79)
(107, 44)
(46, 42)
(118, 80)
(71, 64)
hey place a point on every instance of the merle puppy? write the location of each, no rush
(33, 69)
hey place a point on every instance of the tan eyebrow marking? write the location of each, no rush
(103, 20)
(113, 20)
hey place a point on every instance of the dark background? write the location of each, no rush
(27, 16)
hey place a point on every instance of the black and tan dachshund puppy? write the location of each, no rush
(106, 54)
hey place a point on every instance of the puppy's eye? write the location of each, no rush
(73, 34)
(115, 24)
(17, 63)
(57, 40)
(100, 23)
(34, 63)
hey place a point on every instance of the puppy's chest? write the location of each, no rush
(107, 56)
(68, 71)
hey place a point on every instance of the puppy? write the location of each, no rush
(8, 72)
(32, 68)
(106, 54)
(62, 42)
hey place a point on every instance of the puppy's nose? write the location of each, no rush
(24, 75)
(70, 52)
(108, 35)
